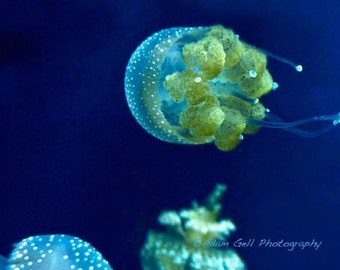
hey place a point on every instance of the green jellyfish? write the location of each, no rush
(198, 85)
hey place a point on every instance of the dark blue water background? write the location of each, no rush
(73, 160)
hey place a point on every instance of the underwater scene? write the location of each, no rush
(169, 135)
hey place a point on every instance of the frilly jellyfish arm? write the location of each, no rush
(55, 252)
(203, 84)
(274, 121)
(3, 262)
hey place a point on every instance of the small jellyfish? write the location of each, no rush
(54, 252)
(195, 238)
(197, 85)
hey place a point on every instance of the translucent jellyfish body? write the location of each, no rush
(202, 85)
(54, 252)
(3, 262)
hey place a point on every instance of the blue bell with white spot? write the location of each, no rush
(54, 252)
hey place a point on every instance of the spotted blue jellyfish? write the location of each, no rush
(198, 85)
(54, 252)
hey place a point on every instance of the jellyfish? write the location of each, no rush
(54, 252)
(195, 238)
(198, 85)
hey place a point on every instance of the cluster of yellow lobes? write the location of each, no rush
(223, 77)
(197, 85)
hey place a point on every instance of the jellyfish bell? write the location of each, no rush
(3, 262)
(197, 85)
(54, 252)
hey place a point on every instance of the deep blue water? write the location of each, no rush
(73, 159)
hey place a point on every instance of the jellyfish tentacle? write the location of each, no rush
(279, 58)
(276, 122)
